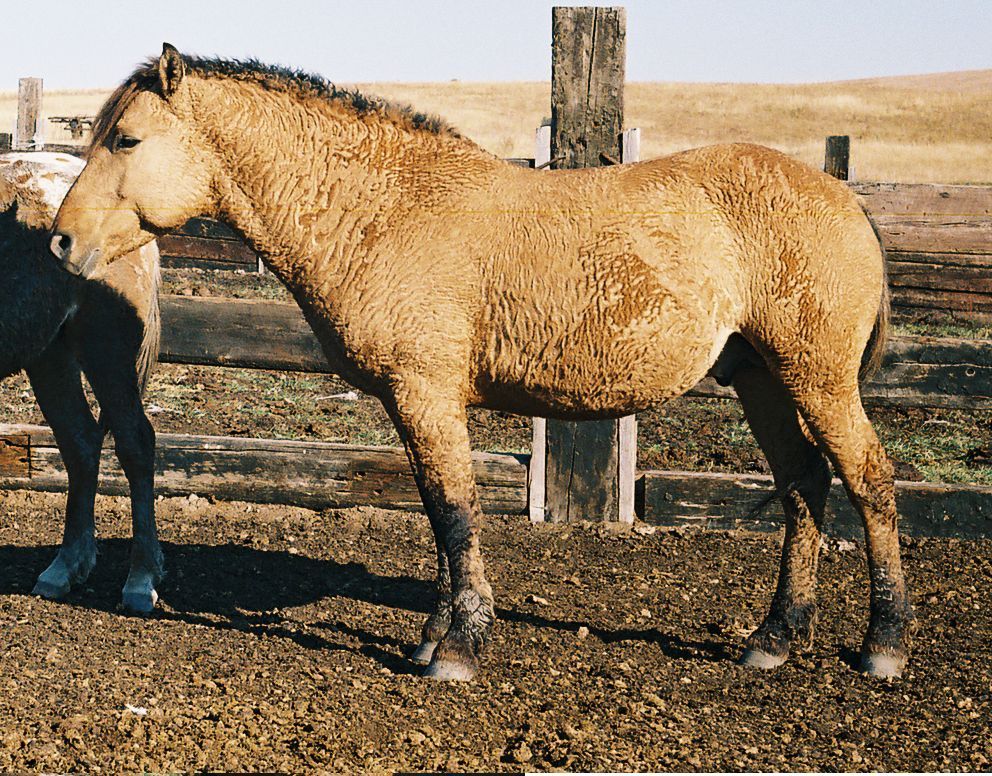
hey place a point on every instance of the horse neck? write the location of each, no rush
(305, 179)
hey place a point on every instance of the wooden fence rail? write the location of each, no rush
(938, 239)
(259, 334)
(321, 475)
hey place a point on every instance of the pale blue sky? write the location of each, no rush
(95, 43)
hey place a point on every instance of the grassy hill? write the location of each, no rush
(927, 128)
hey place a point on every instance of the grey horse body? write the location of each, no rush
(58, 328)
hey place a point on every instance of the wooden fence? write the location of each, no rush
(939, 237)
(939, 240)
(257, 334)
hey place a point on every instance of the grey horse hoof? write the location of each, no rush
(53, 592)
(450, 671)
(139, 601)
(882, 666)
(755, 658)
(422, 654)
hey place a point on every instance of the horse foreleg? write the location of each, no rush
(803, 479)
(434, 430)
(115, 384)
(55, 378)
(439, 622)
(134, 444)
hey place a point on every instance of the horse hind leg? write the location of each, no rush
(802, 477)
(836, 418)
(55, 378)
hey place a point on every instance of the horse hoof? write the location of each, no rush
(53, 592)
(139, 601)
(882, 666)
(755, 658)
(422, 654)
(449, 671)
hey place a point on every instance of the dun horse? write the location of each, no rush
(437, 277)
(56, 326)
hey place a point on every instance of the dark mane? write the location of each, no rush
(273, 77)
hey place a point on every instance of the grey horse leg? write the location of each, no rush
(107, 336)
(439, 622)
(55, 378)
(134, 444)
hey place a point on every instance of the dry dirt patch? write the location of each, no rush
(282, 637)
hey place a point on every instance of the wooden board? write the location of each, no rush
(250, 333)
(936, 234)
(259, 334)
(729, 501)
(182, 246)
(322, 475)
(918, 200)
(312, 474)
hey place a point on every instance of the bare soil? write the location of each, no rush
(281, 641)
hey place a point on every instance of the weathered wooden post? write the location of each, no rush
(838, 156)
(29, 93)
(588, 467)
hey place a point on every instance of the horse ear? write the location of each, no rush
(171, 69)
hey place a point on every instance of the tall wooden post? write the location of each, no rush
(29, 92)
(838, 156)
(583, 462)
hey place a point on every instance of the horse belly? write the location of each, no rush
(601, 366)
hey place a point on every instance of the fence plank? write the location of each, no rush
(250, 333)
(259, 334)
(924, 199)
(182, 246)
(311, 474)
(944, 234)
(728, 501)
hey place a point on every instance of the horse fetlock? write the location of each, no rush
(72, 566)
(453, 659)
(139, 595)
(472, 618)
(784, 628)
(438, 624)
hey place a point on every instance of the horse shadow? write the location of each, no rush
(235, 587)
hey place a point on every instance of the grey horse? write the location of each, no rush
(58, 327)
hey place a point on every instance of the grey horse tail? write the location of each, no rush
(148, 352)
(874, 351)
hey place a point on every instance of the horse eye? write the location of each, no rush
(124, 142)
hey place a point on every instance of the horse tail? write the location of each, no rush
(151, 337)
(874, 352)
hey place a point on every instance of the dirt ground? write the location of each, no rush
(281, 641)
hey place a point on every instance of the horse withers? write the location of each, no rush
(57, 327)
(438, 277)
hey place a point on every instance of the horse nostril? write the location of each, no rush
(61, 246)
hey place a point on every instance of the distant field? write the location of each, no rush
(933, 128)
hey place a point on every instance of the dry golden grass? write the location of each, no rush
(935, 128)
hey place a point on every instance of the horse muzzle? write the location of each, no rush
(74, 261)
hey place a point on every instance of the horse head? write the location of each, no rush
(148, 170)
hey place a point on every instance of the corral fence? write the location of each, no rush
(939, 243)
